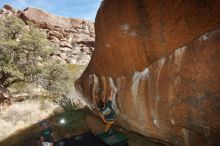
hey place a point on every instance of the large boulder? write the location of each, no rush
(159, 62)
(8, 7)
(135, 33)
(175, 99)
(49, 20)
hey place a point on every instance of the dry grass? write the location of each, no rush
(21, 115)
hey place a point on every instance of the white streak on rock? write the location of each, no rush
(133, 34)
(186, 136)
(135, 81)
(138, 99)
(95, 88)
(114, 91)
(156, 123)
(203, 37)
(90, 80)
(178, 56)
(125, 27)
(157, 97)
(208, 35)
(161, 61)
(172, 121)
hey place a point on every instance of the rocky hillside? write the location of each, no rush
(159, 61)
(74, 37)
(24, 103)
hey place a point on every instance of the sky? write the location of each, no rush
(85, 9)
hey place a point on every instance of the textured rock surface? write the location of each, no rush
(159, 61)
(176, 99)
(64, 32)
(48, 20)
(135, 33)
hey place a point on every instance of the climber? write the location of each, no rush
(46, 135)
(107, 113)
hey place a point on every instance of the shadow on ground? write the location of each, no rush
(30, 135)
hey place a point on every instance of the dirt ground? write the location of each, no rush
(30, 136)
(97, 126)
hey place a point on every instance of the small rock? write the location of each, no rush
(65, 44)
(92, 49)
(56, 34)
(78, 37)
(84, 53)
(83, 59)
(73, 60)
(53, 39)
(73, 30)
(55, 57)
(64, 39)
(86, 50)
(7, 12)
(65, 49)
(63, 56)
(8, 7)
(76, 50)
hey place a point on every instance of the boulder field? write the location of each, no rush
(74, 38)
(159, 62)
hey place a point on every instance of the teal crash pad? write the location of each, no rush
(113, 138)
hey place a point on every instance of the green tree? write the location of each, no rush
(25, 57)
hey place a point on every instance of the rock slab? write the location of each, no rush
(159, 62)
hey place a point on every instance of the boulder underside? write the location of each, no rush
(159, 61)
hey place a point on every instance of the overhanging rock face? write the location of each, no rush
(159, 60)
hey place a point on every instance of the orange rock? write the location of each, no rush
(176, 99)
(161, 68)
(135, 33)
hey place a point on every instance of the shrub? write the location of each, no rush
(25, 57)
